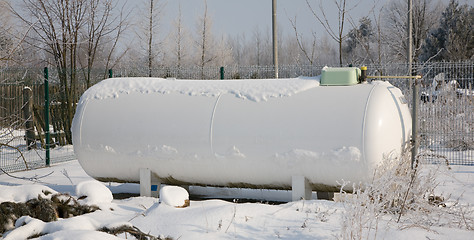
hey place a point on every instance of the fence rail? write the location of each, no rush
(445, 111)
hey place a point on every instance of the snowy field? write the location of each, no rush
(214, 218)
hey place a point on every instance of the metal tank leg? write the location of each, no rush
(300, 188)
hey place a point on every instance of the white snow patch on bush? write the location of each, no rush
(81, 227)
(94, 192)
(26, 226)
(174, 196)
(24, 193)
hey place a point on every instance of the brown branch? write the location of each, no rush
(134, 231)
(35, 178)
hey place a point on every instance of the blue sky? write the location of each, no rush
(232, 17)
(235, 17)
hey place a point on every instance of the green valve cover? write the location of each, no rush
(343, 76)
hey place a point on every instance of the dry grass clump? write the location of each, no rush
(401, 195)
(59, 206)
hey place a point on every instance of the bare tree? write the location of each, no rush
(59, 29)
(328, 54)
(150, 38)
(11, 38)
(154, 16)
(425, 17)
(382, 49)
(238, 48)
(338, 35)
(292, 54)
(113, 40)
(179, 41)
(101, 24)
(6, 41)
(57, 24)
(223, 52)
(261, 48)
(308, 52)
(147, 27)
(205, 41)
(257, 37)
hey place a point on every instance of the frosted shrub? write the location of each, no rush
(397, 194)
(384, 194)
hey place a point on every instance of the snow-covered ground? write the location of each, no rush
(219, 219)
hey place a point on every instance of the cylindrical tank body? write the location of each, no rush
(239, 133)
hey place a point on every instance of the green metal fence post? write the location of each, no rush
(46, 114)
(222, 73)
(111, 74)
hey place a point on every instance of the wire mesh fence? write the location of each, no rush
(447, 113)
(15, 153)
(446, 129)
(230, 72)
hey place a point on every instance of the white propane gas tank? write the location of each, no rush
(239, 133)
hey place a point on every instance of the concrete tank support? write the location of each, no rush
(300, 188)
(145, 182)
(149, 187)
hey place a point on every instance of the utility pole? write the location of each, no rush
(409, 36)
(415, 87)
(275, 41)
